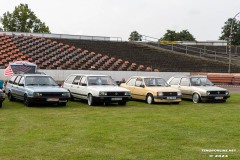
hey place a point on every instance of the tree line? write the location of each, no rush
(23, 19)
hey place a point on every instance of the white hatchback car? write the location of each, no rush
(96, 89)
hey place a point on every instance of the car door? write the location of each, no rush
(75, 87)
(20, 89)
(130, 85)
(15, 87)
(185, 87)
(83, 88)
(139, 90)
(68, 82)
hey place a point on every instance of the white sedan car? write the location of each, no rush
(96, 89)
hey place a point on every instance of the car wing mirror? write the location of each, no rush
(21, 85)
(142, 86)
(84, 84)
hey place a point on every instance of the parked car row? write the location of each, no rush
(100, 89)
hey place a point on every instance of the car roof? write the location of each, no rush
(145, 77)
(88, 75)
(36, 75)
(188, 76)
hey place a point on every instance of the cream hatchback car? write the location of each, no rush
(198, 88)
(152, 89)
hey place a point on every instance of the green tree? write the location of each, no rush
(184, 35)
(135, 36)
(170, 36)
(22, 19)
(235, 31)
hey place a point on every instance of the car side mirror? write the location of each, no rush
(142, 86)
(84, 84)
(21, 85)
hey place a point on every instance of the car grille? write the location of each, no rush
(52, 94)
(217, 92)
(169, 93)
(115, 93)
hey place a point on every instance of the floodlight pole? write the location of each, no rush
(230, 44)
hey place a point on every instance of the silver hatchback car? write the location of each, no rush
(36, 88)
(198, 88)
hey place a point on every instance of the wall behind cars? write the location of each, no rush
(61, 75)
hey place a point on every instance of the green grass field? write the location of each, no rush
(134, 131)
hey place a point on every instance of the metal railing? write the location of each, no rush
(221, 55)
(64, 36)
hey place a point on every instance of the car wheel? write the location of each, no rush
(150, 99)
(26, 101)
(196, 98)
(122, 103)
(71, 97)
(0, 104)
(62, 104)
(90, 100)
(10, 97)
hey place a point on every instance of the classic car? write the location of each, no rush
(36, 88)
(198, 88)
(152, 89)
(1, 97)
(96, 89)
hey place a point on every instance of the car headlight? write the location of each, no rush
(227, 92)
(36, 94)
(67, 94)
(102, 93)
(160, 93)
(127, 94)
(208, 93)
(179, 93)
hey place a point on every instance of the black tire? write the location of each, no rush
(62, 104)
(0, 104)
(196, 98)
(26, 101)
(149, 99)
(10, 97)
(90, 100)
(71, 97)
(122, 103)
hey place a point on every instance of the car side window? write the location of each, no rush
(76, 80)
(12, 79)
(185, 82)
(83, 81)
(17, 80)
(139, 82)
(21, 81)
(131, 82)
(175, 81)
(70, 79)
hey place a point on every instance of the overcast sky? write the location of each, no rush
(118, 18)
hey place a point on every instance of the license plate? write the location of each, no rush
(116, 99)
(218, 97)
(171, 98)
(53, 99)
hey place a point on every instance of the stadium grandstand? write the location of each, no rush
(78, 54)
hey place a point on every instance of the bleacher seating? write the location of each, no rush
(72, 54)
(50, 54)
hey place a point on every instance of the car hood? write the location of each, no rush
(209, 88)
(108, 88)
(46, 89)
(162, 89)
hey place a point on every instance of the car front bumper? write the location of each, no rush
(112, 99)
(215, 98)
(48, 99)
(166, 99)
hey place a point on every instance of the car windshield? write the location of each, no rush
(100, 80)
(155, 82)
(200, 81)
(40, 81)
